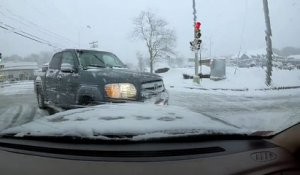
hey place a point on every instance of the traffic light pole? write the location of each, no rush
(196, 78)
(269, 44)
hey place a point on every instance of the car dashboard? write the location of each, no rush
(205, 156)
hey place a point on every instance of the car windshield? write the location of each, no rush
(99, 59)
(142, 69)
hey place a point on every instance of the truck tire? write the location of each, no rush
(86, 101)
(41, 100)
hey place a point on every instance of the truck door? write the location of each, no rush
(68, 79)
(51, 81)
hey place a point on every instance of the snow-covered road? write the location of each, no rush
(231, 108)
(238, 110)
(18, 104)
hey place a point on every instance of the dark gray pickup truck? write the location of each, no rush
(81, 77)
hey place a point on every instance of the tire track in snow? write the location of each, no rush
(4, 119)
(9, 116)
(25, 115)
(220, 120)
(19, 115)
(15, 117)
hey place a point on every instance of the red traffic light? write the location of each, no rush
(197, 25)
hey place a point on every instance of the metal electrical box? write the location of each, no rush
(218, 69)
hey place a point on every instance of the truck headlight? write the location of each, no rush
(120, 90)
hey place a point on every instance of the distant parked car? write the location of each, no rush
(288, 67)
(2, 78)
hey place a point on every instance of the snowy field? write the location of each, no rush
(244, 79)
(251, 79)
(193, 109)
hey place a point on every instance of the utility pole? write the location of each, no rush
(209, 47)
(196, 76)
(200, 63)
(269, 44)
(94, 44)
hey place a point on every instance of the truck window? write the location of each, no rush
(111, 60)
(87, 58)
(67, 58)
(55, 61)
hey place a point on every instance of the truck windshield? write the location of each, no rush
(99, 59)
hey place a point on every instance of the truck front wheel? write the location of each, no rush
(86, 101)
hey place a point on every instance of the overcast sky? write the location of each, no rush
(228, 24)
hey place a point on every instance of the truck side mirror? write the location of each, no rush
(67, 68)
(44, 68)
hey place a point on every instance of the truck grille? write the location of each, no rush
(152, 88)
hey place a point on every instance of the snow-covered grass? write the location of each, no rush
(236, 78)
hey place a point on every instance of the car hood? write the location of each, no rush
(116, 74)
(141, 120)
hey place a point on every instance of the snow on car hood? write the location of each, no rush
(142, 121)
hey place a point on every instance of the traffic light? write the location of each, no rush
(197, 35)
(195, 45)
(198, 25)
(197, 30)
(0, 57)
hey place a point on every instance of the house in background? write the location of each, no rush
(294, 60)
(18, 70)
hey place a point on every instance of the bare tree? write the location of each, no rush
(153, 30)
(141, 62)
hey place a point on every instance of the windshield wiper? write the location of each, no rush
(115, 66)
(100, 60)
(95, 65)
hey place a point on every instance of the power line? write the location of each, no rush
(36, 25)
(11, 15)
(38, 38)
(26, 35)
